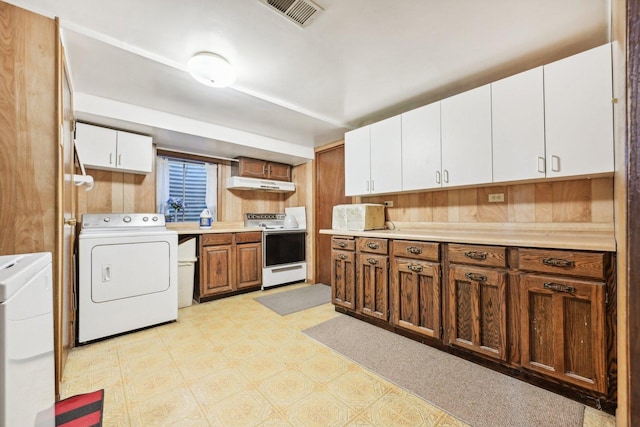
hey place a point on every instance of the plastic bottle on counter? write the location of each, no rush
(205, 218)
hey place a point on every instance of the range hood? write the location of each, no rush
(242, 183)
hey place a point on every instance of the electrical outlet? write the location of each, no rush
(496, 197)
(388, 203)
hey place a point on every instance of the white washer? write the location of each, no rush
(128, 275)
(27, 364)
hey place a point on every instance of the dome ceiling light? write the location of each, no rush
(211, 69)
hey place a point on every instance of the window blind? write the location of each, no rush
(187, 182)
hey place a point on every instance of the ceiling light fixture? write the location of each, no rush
(211, 69)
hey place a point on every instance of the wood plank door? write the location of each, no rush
(329, 192)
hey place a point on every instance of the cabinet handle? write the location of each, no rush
(119, 159)
(269, 170)
(558, 287)
(342, 244)
(373, 245)
(558, 262)
(446, 176)
(110, 158)
(264, 169)
(342, 256)
(476, 277)
(476, 255)
(367, 186)
(415, 268)
(414, 250)
(372, 185)
(372, 261)
(555, 163)
(541, 165)
(438, 177)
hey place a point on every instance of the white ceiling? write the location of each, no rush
(358, 62)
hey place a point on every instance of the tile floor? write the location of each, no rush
(234, 362)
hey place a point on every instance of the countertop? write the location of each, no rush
(216, 227)
(591, 236)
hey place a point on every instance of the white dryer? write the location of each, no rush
(128, 275)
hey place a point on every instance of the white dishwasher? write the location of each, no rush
(27, 364)
(128, 275)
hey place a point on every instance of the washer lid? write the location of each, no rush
(17, 270)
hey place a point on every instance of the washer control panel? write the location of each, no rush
(113, 221)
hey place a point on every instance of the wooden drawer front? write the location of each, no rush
(249, 237)
(343, 244)
(419, 250)
(492, 256)
(374, 246)
(216, 239)
(586, 264)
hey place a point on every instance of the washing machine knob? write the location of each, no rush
(106, 219)
(127, 219)
(155, 218)
(145, 218)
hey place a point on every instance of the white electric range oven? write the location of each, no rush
(283, 249)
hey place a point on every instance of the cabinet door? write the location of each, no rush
(217, 264)
(135, 152)
(421, 157)
(357, 162)
(373, 286)
(416, 296)
(563, 330)
(343, 279)
(517, 114)
(249, 265)
(386, 156)
(279, 171)
(466, 138)
(96, 146)
(477, 310)
(252, 168)
(579, 114)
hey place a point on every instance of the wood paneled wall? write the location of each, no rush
(118, 192)
(575, 201)
(303, 196)
(28, 132)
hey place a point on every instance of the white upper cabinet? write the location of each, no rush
(466, 138)
(517, 110)
(386, 156)
(357, 161)
(579, 114)
(372, 158)
(110, 149)
(421, 156)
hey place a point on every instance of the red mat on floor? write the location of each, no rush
(83, 410)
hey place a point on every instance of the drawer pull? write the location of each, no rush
(415, 268)
(476, 277)
(373, 245)
(476, 255)
(342, 244)
(414, 250)
(342, 256)
(372, 261)
(558, 287)
(558, 262)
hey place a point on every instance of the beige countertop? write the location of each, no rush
(216, 227)
(589, 236)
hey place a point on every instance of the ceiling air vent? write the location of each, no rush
(301, 12)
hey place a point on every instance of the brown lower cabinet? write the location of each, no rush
(372, 264)
(544, 315)
(343, 272)
(229, 262)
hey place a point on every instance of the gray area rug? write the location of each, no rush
(288, 302)
(476, 395)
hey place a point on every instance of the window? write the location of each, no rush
(185, 189)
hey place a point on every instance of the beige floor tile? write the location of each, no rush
(325, 367)
(140, 387)
(319, 409)
(262, 366)
(595, 418)
(358, 389)
(177, 406)
(402, 410)
(248, 408)
(286, 388)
